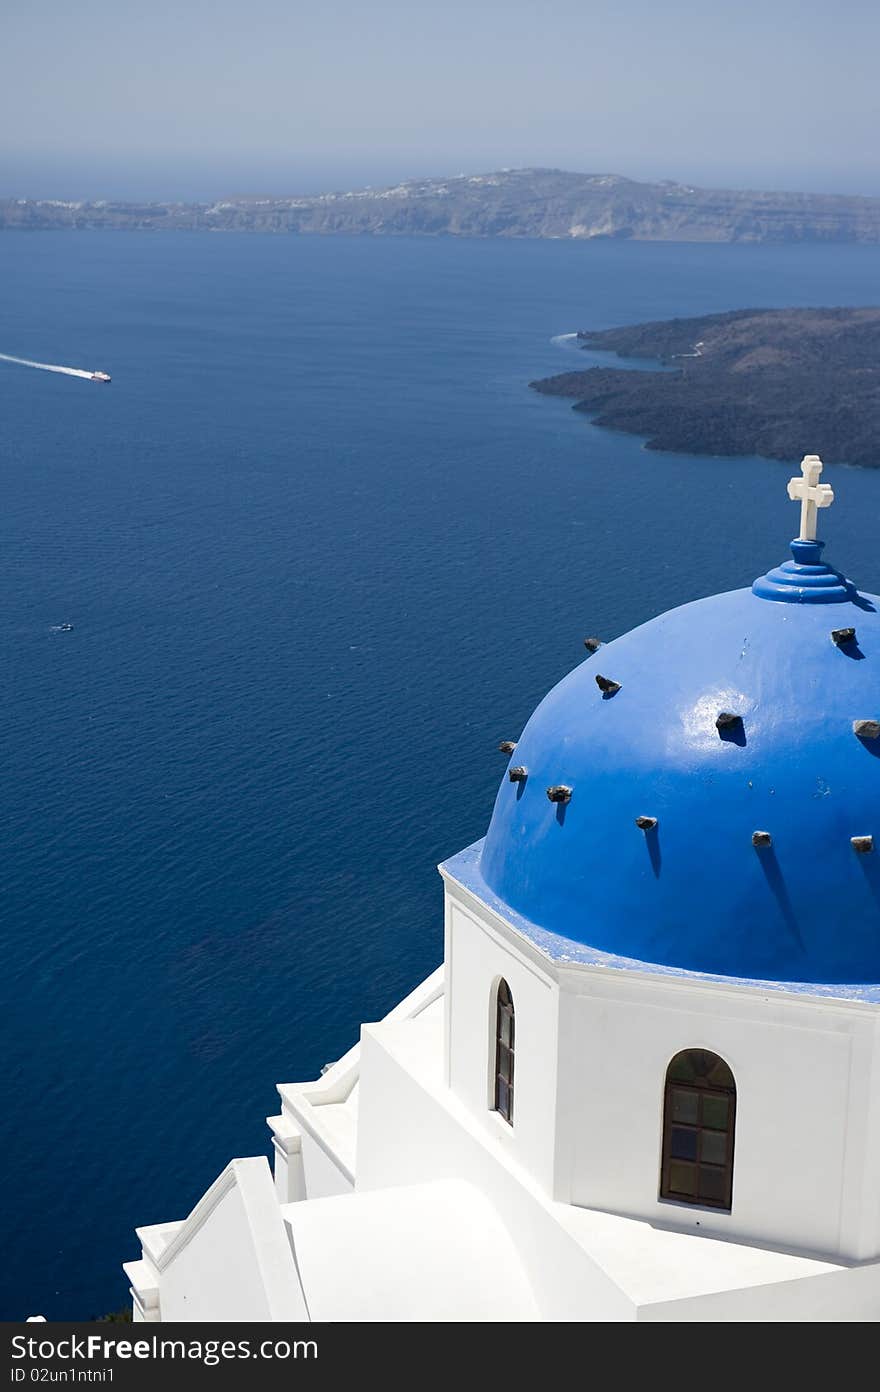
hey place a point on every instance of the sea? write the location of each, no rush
(270, 600)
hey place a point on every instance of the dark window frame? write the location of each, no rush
(677, 1129)
(505, 1051)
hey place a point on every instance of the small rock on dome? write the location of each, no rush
(560, 792)
(866, 729)
(727, 719)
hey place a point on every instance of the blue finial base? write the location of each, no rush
(805, 579)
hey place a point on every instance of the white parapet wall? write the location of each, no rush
(230, 1260)
(315, 1135)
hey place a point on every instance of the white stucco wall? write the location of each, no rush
(410, 1132)
(798, 1145)
(440, 1194)
(592, 1048)
(322, 1177)
(581, 1264)
(477, 957)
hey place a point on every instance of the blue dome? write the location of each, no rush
(698, 889)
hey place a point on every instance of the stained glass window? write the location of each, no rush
(504, 1050)
(698, 1124)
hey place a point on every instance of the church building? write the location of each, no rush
(645, 1082)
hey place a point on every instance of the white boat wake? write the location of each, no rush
(48, 367)
(564, 338)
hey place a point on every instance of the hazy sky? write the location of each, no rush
(177, 98)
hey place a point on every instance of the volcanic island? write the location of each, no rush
(771, 382)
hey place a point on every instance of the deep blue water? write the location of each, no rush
(321, 549)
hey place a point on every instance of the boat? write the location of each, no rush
(100, 376)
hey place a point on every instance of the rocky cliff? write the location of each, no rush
(510, 203)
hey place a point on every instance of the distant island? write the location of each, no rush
(774, 382)
(510, 203)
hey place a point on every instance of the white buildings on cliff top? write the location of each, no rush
(645, 1082)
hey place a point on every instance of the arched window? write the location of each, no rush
(504, 1046)
(699, 1111)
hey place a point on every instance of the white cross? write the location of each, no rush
(811, 493)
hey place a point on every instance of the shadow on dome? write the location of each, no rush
(652, 842)
(850, 648)
(776, 883)
(862, 602)
(870, 746)
(870, 865)
(733, 734)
